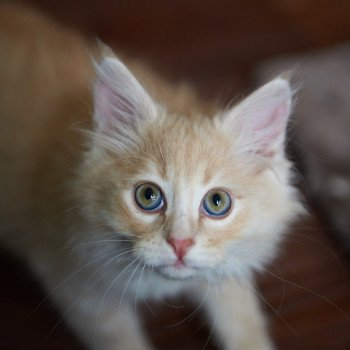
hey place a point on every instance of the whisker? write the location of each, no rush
(255, 290)
(192, 313)
(138, 286)
(71, 307)
(320, 243)
(125, 251)
(216, 315)
(127, 284)
(310, 291)
(99, 241)
(169, 305)
(86, 290)
(149, 270)
(69, 277)
(106, 293)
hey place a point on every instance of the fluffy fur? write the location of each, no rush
(67, 197)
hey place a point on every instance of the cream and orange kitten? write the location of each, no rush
(157, 195)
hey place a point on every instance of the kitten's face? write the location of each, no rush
(191, 198)
(169, 165)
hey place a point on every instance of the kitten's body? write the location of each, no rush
(67, 206)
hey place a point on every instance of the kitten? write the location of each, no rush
(158, 194)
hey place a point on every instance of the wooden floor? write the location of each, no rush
(215, 45)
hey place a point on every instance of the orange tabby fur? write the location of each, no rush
(63, 191)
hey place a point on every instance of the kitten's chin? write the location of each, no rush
(175, 272)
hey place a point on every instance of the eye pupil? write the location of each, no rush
(216, 199)
(149, 194)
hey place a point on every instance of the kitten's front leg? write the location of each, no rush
(99, 316)
(112, 330)
(235, 314)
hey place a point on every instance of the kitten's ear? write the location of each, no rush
(119, 99)
(261, 119)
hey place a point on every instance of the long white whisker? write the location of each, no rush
(149, 270)
(272, 308)
(138, 287)
(310, 291)
(216, 315)
(105, 294)
(125, 251)
(193, 313)
(128, 282)
(69, 277)
(127, 285)
(72, 305)
(99, 241)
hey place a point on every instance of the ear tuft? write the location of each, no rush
(261, 119)
(119, 99)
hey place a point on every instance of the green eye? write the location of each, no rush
(149, 197)
(217, 203)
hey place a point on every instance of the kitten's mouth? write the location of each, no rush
(177, 270)
(179, 264)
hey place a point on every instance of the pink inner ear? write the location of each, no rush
(274, 121)
(260, 120)
(270, 129)
(109, 106)
(103, 112)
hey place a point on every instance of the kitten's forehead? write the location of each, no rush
(187, 151)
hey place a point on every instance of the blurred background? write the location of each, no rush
(225, 48)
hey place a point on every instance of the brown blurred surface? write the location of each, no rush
(215, 45)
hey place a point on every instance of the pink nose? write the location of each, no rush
(180, 246)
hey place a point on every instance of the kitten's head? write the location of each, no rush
(195, 195)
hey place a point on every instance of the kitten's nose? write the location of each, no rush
(180, 246)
